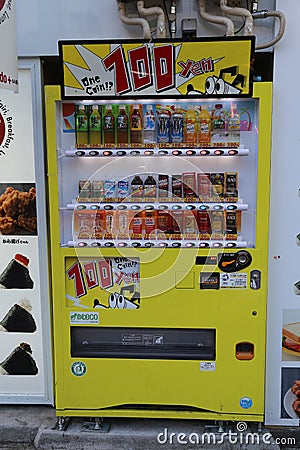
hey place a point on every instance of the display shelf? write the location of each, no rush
(155, 243)
(147, 206)
(156, 151)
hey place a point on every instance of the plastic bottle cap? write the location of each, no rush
(219, 106)
(108, 106)
(122, 107)
(149, 108)
(81, 107)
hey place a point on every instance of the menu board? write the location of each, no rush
(21, 324)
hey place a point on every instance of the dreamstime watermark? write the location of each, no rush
(240, 436)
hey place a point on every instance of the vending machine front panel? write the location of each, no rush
(159, 262)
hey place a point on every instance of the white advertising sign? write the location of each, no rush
(8, 46)
(22, 267)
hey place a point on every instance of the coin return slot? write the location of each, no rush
(244, 351)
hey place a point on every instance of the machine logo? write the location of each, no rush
(84, 317)
(78, 368)
(246, 402)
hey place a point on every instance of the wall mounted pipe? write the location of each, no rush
(242, 12)
(282, 24)
(154, 11)
(215, 19)
(134, 20)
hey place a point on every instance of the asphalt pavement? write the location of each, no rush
(32, 427)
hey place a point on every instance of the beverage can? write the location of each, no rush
(204, 187)
(203, 221)
(190, 226)
(177, 224)
(217, 186)
(163, 224)
(189, 186)
(176, 187)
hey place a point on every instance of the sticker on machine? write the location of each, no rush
(102, 283)
(208, 366)
(234, 280)
(84, 317)
(78, 368)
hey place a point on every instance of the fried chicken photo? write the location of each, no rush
(18, 211)
(296, 388)
(296, 406)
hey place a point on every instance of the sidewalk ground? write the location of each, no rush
(35, 426)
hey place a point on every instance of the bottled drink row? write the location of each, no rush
(138, 125)
(156, 225)
(188, 187)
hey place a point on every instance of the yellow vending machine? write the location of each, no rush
(158, 169)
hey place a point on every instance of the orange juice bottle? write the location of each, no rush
(190, 126)
(204, 135)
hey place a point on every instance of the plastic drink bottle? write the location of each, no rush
(190, 126)
(95, 126)
(163, 187)
(149, 128)
(177, 126)
(163, 126)
(150, 189)
(204, 137)
(122, 126)
(218, 126)
(135, 125)
(82, 126)
(234, 127)
(137, 189)
(108, 126)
